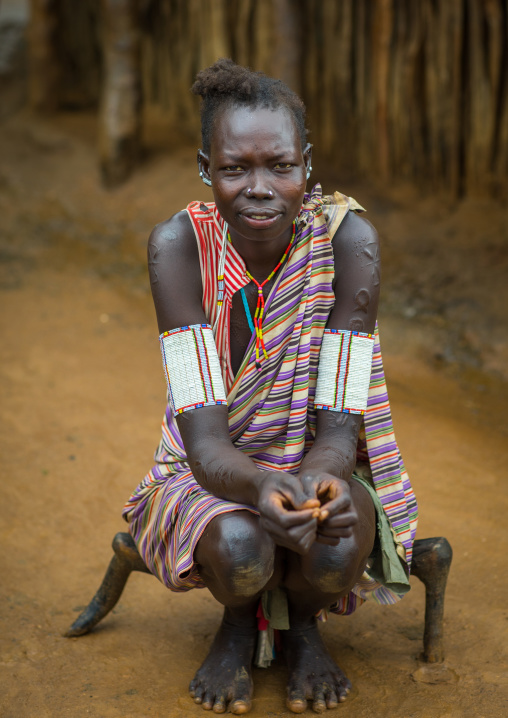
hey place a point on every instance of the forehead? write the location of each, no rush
(240, 130)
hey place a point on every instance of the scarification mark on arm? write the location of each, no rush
(356, 325)
(371, 251)
(153, 251)
(362, 300)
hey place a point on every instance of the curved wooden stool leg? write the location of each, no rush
(431, 563)
(125, 560)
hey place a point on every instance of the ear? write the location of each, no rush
(307, 156)
(203, 164)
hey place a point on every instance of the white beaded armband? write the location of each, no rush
(345, 361)
(192, 368)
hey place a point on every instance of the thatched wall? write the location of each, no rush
(414, 89)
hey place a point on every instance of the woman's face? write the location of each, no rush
(258, 171)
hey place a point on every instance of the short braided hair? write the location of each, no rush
(226, 84)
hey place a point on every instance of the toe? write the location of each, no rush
(239, 707)
(208, 701)
(343, 690)
(332, 700)
(318, 703)
(297, 706)
(220, 702)
(296, 702)
(197, 694)
(240, 702)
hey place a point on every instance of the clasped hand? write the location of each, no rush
(298, 511)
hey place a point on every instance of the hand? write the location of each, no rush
(287, 514)
(337, 514)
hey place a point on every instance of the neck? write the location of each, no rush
(261, 257)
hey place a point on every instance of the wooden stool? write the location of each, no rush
(431, 563)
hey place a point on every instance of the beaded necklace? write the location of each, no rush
(260, 306)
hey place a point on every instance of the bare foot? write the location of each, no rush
(313, 675)
(224, 681)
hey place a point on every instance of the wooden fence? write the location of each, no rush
(395, 89)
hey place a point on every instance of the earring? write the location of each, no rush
(205, 179)
(309, 170)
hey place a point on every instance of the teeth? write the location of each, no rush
(258, 216)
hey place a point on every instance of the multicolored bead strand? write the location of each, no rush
(260, 306)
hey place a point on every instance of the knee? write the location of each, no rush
(245, 555)
(335, 569)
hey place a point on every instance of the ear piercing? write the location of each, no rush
(205, 179)
(309, 170)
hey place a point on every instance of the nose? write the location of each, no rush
(258, 188)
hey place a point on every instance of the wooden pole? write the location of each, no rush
(288, 43)
(120, 114)
(44, 61)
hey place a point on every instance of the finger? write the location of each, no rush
(342, 520)
(296, 540)
(298, 496)
(310, 504)
(304, 541)
(297, 518)
(276, 511)
(301, 534)
(338, 504)
(344, 532)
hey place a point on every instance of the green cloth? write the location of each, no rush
(385, 564)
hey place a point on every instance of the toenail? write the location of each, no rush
(297, 706)
(238, 707)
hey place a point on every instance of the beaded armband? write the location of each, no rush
(192, 368)
(345, 361)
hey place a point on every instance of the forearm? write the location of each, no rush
(334, 448)
(218, 466)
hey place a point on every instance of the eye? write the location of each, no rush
(233, 168)
(283, 166)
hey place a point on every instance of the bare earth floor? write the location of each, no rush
(82, 398)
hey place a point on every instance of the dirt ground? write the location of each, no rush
(82, 400)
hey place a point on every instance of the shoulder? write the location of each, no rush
(174, 234)
(355, 232)
(173, 251)
(356, 253)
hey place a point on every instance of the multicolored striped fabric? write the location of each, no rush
(271, 412)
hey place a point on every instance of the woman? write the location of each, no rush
(266, 302)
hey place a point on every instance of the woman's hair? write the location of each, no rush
(226, 84)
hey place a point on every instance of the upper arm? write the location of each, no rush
(357, 275)
(175, 275)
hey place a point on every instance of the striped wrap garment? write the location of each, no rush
(271, 412)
